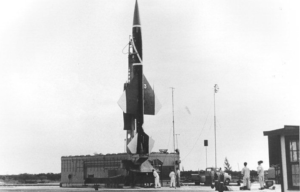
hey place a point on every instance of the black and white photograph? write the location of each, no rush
(149, 95)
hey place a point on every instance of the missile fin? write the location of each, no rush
(151, 103)
(132, 145)
(151, 144)
(122, 102)
(146, 167)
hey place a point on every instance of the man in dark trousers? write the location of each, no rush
(178, 177)
(219, 181)
(246, 177)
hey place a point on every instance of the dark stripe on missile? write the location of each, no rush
(142, 143)
(138, 74)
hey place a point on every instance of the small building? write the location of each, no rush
(284, 153)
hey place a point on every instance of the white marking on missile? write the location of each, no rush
(136, 52)
(136, 26)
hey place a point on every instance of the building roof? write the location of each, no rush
(287, 130)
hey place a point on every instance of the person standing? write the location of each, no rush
(156, 179)
(178, 177)
(246, 177)
(221, 179)
(260, 172)
(172, 177)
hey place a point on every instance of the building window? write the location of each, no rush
(293, 162)
(294, 158)
(294, 150)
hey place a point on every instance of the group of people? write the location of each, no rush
(173, 176)
(246, 176)
(245, 172)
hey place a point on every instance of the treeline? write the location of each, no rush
(253, 173)
(232, 173)
(32, 178)
(187, 175)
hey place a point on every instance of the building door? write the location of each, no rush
(292, 149)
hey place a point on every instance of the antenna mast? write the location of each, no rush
(173, 130)
(216, 88)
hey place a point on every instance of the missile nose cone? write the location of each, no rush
(136, 17)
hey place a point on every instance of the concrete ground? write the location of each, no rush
(254, 188)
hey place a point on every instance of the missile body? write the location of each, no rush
(137, 67)
(138, 97)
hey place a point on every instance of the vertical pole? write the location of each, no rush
(125, 144)
(215, 126)
(173, 132)
(206, 158)
(177, 140)
(173, 119)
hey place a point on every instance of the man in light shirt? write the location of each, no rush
(172, 177)
(156, 179)
(261, 175)
(246, 177)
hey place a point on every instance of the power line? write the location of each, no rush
(199, 134)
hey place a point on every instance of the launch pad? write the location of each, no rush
(112, 170)
(133, 168)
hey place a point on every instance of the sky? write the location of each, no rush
(63, 67)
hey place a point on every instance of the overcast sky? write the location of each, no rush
(62, 73)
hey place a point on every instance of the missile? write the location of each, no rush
(138, 97)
